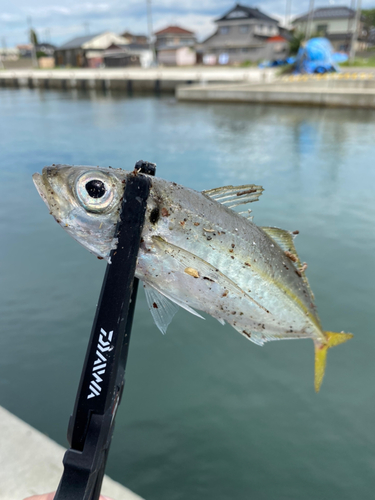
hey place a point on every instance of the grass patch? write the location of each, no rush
(247, 64)
(364, 62)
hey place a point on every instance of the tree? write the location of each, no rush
(33, 37)
(295, 42)
(368, 15)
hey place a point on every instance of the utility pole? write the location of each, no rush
(357, 24)
(33, 51)
(309, 20)
(288, 7)
(350, 25)
(47, 35)
(3, 54)
(150, 31)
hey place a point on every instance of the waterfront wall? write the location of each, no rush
(131, 79)
(350, 90)
(31, 463)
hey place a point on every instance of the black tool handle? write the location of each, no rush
(92, 423)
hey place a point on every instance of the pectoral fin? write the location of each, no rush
(333, 339)
(164, 306)
(161, 308)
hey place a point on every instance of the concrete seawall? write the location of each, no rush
(338, 91)
(31, 463)
(131, 79)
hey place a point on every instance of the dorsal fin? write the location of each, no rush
(233, 196)
(283, 238)
(285, 241)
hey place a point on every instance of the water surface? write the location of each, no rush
(205, 414)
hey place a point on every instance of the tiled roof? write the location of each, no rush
(328, 13)
(277, 38)
(77, 42)
(251, 13)
(175, 30)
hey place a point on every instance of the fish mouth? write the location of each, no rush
(41, 188)
(46, 191)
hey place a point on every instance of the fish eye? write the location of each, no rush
(95, 191)
(95, 188)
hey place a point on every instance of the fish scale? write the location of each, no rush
(259, 277)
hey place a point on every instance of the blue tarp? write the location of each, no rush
(317, 56)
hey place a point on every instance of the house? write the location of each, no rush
(86, 51)
(241, 35)
(25, 50)
(335, 23)
(9, 54)
(131, 54)
(175, 46)
(277, 48)
(131, 38)
(46, 49)
(177, 56)
(174, 36)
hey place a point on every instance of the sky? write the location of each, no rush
(58, 21)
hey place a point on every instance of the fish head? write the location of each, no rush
(85, 201)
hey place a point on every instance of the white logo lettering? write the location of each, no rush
(100, 363)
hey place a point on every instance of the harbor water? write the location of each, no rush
(206, 414)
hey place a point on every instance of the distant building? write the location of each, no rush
(173, 36)
(25, 49)
(242, 35)
(9, 54)
(277, 47)
(175, 46)
(131, 38)
(177, 56)
(131, 54)
(335, 23)
(46, 48)
(86, 51)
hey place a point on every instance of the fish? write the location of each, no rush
(197, 252)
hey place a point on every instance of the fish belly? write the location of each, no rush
(203, 287)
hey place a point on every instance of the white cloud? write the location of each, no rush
(9, 18)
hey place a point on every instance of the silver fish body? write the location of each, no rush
(249, 282)
(196, 253)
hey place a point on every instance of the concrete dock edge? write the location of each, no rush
(31, 463)
(311, 94)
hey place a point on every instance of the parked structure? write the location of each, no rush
(335, 23)
(242, 35)
(86, 51)
(175, 46)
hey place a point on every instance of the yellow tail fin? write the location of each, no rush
(321, 354)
